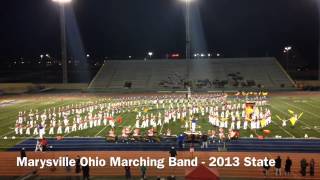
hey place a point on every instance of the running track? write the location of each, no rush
(242, 145)
(8, 166)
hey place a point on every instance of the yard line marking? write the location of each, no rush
(312, 105)
(10, 132)
(290, 134)
(161, 128)
(315, 115)
(305, 111)
(283, 129)
(100, 131)
(302, 122)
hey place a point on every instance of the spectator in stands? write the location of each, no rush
(312, 167)
(78, 166)
(86, 172)
(266, 168)
(278, 166)
(204, 139)
(303, 166)
(173, 152)
(143, 170)
(23, 153)
(287, 167)
(127, 172)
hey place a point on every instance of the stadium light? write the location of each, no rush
(187, 19)
(64, 62)
(287, 50)
(150, 54)
(62, 1)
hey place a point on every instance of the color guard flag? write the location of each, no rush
(249, 111)
(290, 111)
(263, 123)
(293, 120)
(119, 119)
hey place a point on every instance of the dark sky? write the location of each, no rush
(118, 28)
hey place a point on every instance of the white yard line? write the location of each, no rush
(283, 129)
(312, 105)
(306, 124)
(303, 110)
(161, 128)
(290, 134)
(100, 131)
(10, 132)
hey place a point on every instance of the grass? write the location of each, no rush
(279, 105)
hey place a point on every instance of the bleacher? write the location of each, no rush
(227, 73)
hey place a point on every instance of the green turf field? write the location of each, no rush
(309, 123)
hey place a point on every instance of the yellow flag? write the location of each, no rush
(278, 117)
(263, 123)
(293, 121)
(290, 111)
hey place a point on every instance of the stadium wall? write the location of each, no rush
(69, 86)
(15, 88)
(309, 84)
(19, 88)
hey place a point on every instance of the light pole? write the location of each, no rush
(62, 4)
(286, 50)
(188, 40)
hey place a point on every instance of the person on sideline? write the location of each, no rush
(287, 167)
(312, 167)
(278, 166)
(303, 166)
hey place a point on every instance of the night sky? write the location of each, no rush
(119, 28)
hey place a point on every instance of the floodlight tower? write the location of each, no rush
(188, 40)
(287, 50)
(64, 62)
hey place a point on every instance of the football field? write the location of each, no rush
(279, 104)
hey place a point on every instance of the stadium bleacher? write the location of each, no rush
(229, 73)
